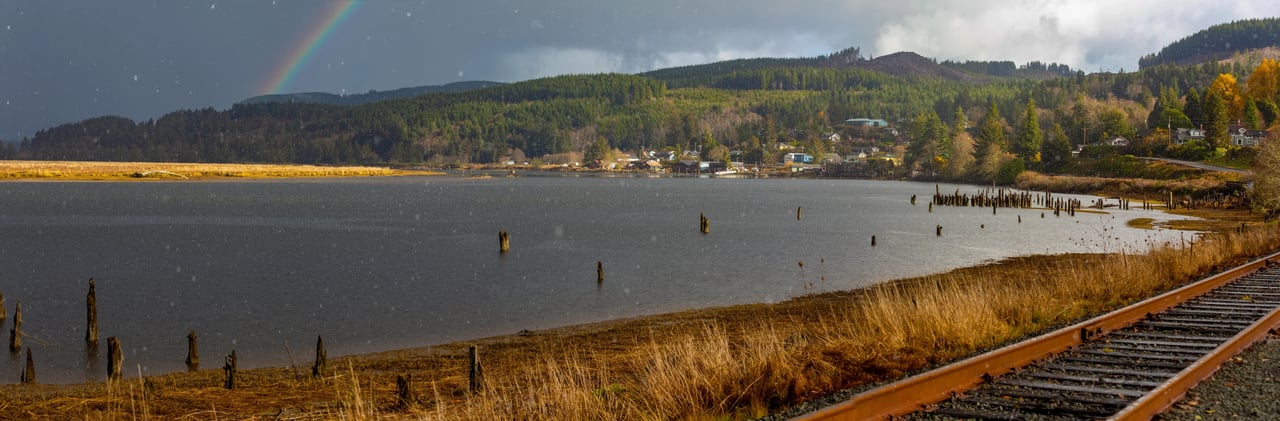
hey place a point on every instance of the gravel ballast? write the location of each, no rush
(1245, 388)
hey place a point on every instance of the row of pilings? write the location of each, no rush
(1002, 198)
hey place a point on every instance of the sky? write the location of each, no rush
(63, 61)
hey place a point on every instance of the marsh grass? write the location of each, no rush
(726, 363)
(83, 170)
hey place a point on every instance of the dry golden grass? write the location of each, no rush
(84, 170)
(732, 362)
(1129, 187)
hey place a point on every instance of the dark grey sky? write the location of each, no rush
(66, 60)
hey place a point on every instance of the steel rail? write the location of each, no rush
(916, 392)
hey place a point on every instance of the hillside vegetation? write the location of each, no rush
(1218, 42)
(968, 121)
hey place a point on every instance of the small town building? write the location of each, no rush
(866, 122)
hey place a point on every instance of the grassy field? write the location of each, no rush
(81, 170)
(721, 363)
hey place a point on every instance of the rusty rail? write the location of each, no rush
(915, 393)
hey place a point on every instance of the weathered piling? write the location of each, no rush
(15, 332)
(229, 367)
(29, 373)
(474, 371)
(873, 241)
(404, 395)
(799, 213)
(504, 242)
(930, 207)
(321, 366)
(913, 200)
(704, 225)
(115, 359)
(1019, 219)
(939, 230)
(193, 354)
(91, 305)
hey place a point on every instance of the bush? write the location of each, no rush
(1009, 171)
(1194, 150)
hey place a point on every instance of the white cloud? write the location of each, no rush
(1087, 34)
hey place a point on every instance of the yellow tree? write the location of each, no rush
(1264, 83)
(1229, 90)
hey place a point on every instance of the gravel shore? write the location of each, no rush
(1246, 388)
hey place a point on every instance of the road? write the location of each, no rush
(1199, 165)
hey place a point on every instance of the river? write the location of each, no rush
(264, 266)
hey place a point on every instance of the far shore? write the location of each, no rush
(144, 171)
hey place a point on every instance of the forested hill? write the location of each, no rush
(371, 96)
(1218, 42)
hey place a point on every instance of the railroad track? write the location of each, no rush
(1132, 363)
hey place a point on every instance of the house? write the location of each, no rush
(798, 158)
(828, 158)
(1118, 141)
(1181, 136)
(866, 122)
(664, 155)
(1241, 136)
(833, 137)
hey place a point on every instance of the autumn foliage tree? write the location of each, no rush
(1227, 88)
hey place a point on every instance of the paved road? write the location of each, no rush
(1199, 165)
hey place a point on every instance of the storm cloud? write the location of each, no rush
(63, 61)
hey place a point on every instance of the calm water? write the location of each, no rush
(263, 267)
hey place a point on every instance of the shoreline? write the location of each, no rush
(30, 171)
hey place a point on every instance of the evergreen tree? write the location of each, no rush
(1194, 108)
(1217, 120)
(1029, 136)
(1056, 150)
(927, 133)
(1251, 119)
(991, 135)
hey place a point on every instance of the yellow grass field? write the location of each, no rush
(84, 170)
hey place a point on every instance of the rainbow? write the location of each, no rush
(287, 69)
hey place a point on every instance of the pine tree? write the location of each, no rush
(1215, 127)
(1029, 135)
(1056, 150)
(991, 131)
(1194, 108)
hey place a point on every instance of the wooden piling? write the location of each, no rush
(193, 354)
(504, 242)
(873, 241)
(930, 207)
(29, 374)
(320, 368)
(1019, 219)
(800, 212)
(229, 367)
(475, 371)
(15, 332)
(404, 395)
(913, 200)
(115, 359)
(939, 230)
(91, 304)
(704, 224)
(599, 272)
(4, 314)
